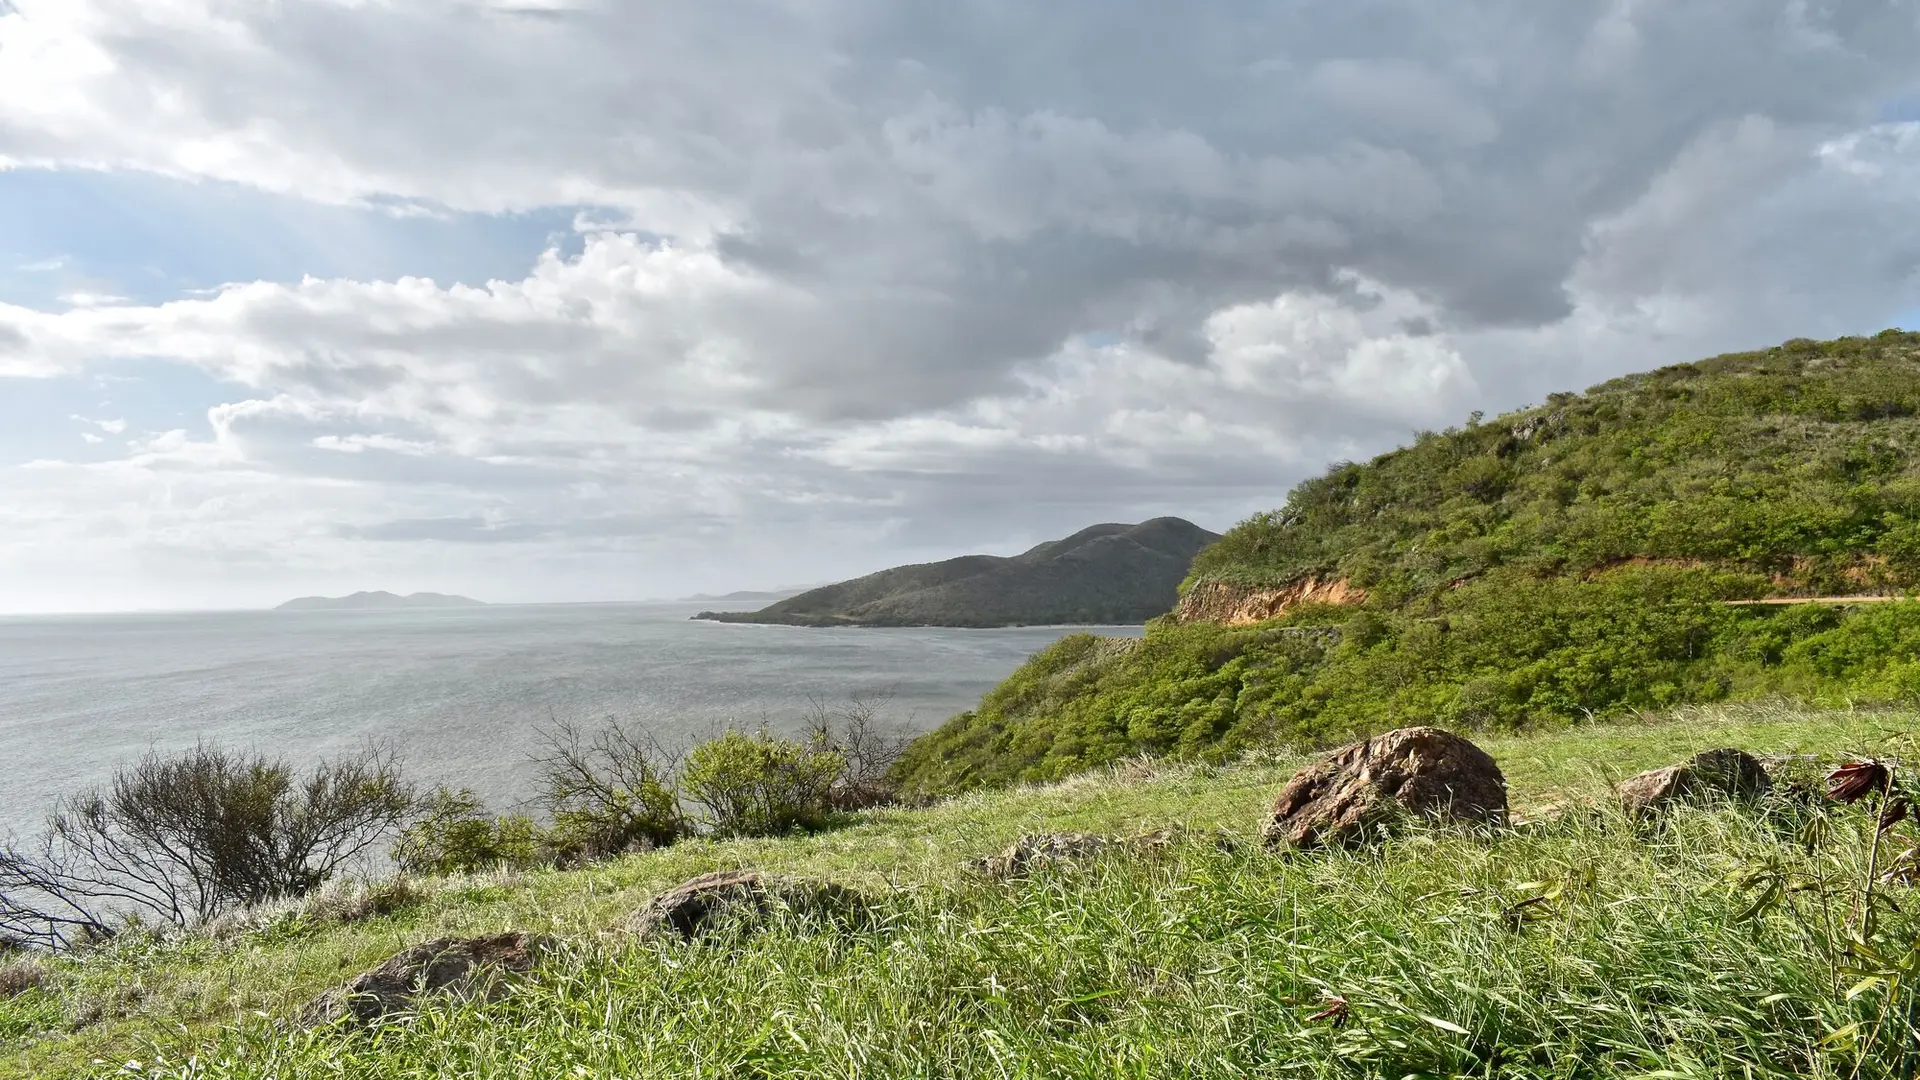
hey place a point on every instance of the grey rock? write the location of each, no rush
(476, 968)
(1724, 773)
(744, 900)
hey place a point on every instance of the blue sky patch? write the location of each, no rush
(50, 418)
(150, 239)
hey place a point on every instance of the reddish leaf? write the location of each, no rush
(1856, 780)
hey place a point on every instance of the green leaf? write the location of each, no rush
(1444, 1025)
(1863, 986)
(1842, 1034)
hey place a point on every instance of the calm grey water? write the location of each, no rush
(460, 693)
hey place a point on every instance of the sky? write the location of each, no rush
(567, 300)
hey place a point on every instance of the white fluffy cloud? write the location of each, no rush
(862, 280)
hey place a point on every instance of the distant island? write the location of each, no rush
(752, 596)
(364, 601)
(1106, 574)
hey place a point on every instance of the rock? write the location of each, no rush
(745, 899)
(1163, 841)
(461, 968)
(1035, 850)
(1422, 771)
(1724, 773)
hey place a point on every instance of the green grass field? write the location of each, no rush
(1579, 946)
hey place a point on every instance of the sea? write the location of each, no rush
(462, 695)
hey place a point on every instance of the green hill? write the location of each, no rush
(1567, 560)
(1105, 574)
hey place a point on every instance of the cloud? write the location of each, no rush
(91, 299)
(111, 427)
(891, 277)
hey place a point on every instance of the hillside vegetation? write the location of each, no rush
(1106, 574)
(1570, 559)
(1715, 945)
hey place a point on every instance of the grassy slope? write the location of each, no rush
(1206, 964)
(1799, 465)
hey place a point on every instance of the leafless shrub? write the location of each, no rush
(178, 840)
(608, 791)
(869, 744)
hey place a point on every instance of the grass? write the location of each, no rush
(1631, 959)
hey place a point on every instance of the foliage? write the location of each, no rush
(759, 785)
(452, 833)
(1798, 463)
(178, 840)
(1560, 562)
(608, 792)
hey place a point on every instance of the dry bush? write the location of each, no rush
(340, 902)
(20, 975)
(868, 745)
(176, 841)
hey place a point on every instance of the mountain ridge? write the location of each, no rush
(1106, 574)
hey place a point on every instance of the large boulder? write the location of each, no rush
(467, 969)
(1711, 774)
(1420, 772)
(744, 899)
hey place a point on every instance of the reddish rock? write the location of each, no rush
(460, 968)
(1725, 774)
(1356, 791)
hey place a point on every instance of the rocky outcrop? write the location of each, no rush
(1359, 790)
(468, 969)
(743, 900)
(1711, 774)
(1240, 605)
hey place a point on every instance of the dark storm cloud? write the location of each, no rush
(957, 188)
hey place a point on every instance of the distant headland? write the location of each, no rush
(758, 596)
(1106, 574)
(362, 601)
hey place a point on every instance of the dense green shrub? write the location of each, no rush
(1797, 463)
(759, 785)
(1505, 652)
(454, 834)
